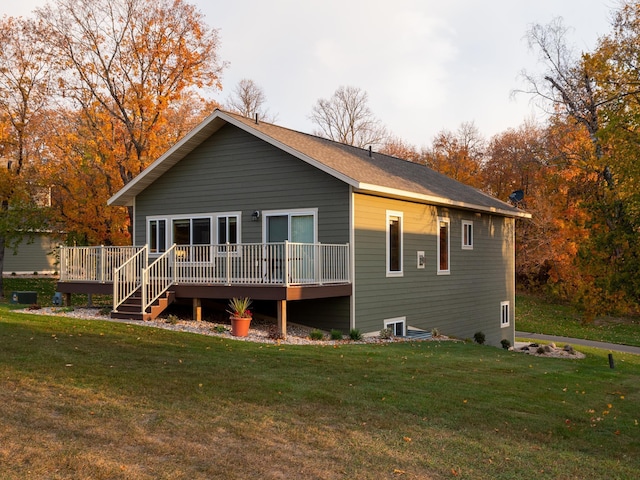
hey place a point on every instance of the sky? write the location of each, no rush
(426, 65)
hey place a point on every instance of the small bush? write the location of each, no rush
(505, 343)
(172, 319)
(316, 335)
(335, 335)
(435, 333)
(220, 329)
(105, 311)
(354, 334)
(65, 309)
(386, 333)
(479, 338)
(34, 306)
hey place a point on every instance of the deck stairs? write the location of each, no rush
(131, 309)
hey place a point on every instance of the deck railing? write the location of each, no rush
(128, 277)
(93, 264)
(158, 277)
(128, 268)
(262, 263)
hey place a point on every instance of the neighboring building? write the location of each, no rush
(35, 255)
(372, 241)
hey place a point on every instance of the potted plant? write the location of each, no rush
(240, 316)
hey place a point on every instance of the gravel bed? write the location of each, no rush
(259, 331)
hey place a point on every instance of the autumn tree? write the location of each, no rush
(458, 155)
(597, 90)
(24, 90)
(345, 117)
(126, 66)
(248, 99)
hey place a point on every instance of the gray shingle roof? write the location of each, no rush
(377, 173)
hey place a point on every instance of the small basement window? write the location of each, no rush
(397, 326)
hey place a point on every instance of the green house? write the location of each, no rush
(333, 236)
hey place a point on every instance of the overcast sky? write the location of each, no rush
(427, 65)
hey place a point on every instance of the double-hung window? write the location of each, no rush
(394, 244)
(443, 246)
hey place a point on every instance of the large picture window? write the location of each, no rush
(443, 245)
(394, 244)
(192, 231)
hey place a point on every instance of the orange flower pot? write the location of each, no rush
(240, 326)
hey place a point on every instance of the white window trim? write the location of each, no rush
(447, 220)
(402, 320)
(215, 232)
(467, 224)
(394, 273)
(503, 306)
(167, 227)
(213, 218)
(291, 212)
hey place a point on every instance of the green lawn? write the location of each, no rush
(535, 315)
(93, 399)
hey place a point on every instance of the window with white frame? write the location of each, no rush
(157, 235)
(394, 244)
(397, 326)
(504, 314)
(443, 245)
(467, 235)
(192, 230)
(228, 229)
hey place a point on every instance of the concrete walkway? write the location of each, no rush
(614, 347)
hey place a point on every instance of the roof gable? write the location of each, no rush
(363, 170)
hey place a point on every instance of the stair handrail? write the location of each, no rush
(158, 277)
(127, 278)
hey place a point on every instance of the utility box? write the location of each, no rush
(26, 298)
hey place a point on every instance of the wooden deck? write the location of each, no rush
(142, 286)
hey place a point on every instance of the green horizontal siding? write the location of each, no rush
(235, 171)
(458, 304)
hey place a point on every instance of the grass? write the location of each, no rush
(93, 399)
(535, 315)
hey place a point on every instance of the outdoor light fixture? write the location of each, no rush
(255, 215)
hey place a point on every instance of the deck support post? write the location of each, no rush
(197, 309)
(282, 318)
(67, 299)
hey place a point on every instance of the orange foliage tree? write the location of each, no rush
(131, 72)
